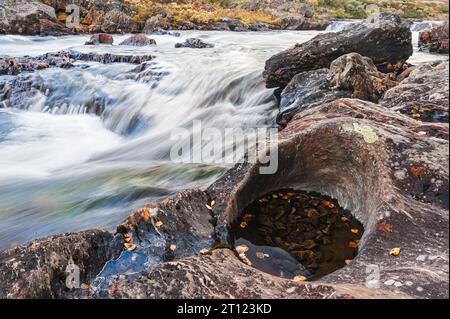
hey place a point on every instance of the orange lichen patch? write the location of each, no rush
(419, 170)
(384, 228)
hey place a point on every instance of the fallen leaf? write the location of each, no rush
(204, 251)
(172, 247)
(158, 223)
(243, 224)
(242, 249)
(352, 244)
(395, 251)
(274, 196)
(130, 247)
(261, 255)
(327, 203)
(213, 202)
(245, 260)
(209, 207)
(354, 230)
(299, 278)
(348, 261)
(418, 171)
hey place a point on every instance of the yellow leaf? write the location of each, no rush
(158, 223)
(243, 224)
(355, 230)
(299, 278)
(395, 251)
(204, 251)
(348, 261)
(242, 249)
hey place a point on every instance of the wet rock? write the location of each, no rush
(100, 38)
(138, 40)
(14, 66)
(109, 57)
(423, 95)
(29, 17)
(305, 90)
(38, 269)
(435, 40)
(387, 43)
(194, 44)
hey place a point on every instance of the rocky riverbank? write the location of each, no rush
(360, 125)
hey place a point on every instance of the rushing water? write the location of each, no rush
(64, 170)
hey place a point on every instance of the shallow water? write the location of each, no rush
(63, 170)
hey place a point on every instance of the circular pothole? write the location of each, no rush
(290, 233)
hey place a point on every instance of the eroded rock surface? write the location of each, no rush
(386, 42)
(423, 95)
(38, 269)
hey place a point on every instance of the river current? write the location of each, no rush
(64, 170)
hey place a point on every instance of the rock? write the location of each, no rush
(305, 90)
(350, 75)
(138, 40)
(194, 43)
(387, 43)
(38, 269)
(435, 40)
(423, 95)
(359, 75)
(108, 57)
(116, 21)
(29, 17)
(100, 38)
(154, 23)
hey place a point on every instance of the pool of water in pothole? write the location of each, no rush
(296, 235)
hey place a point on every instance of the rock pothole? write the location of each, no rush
(296, 234)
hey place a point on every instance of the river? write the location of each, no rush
(64, 170)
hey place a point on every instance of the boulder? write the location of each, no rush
(116, 21)
(100, 38)
(29, 17)
(359, 75)
(435, 40)
(350, 75)
(138, 40)
(423, 94)
(155, 23)
(386, 42)
(194, 44)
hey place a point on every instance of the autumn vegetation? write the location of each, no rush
(203, 11)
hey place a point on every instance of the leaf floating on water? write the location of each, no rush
(173, 247)
(242, 249)
(158, 223)
(209, 207)
(243, 224)
(205, 251)
(348, 261)
(395, 251)
(130, 247)
(213, 202)
(245, 260)
(328, 204)
(274, 196)
(354, 230)
(352, 244)
(261, 255)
